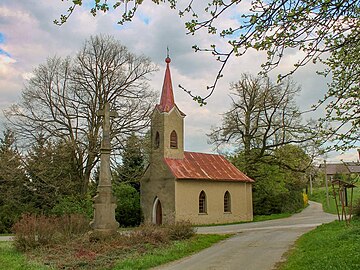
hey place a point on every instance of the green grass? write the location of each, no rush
(319, 195)
(14, 260)
(176, 251)
(271, 217)
(331, 246)
(255, 219)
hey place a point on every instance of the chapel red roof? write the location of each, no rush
(202, 166)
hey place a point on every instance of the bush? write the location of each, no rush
(33, 230)
(181, 231)
(149, 234)
(155, 235)
(128, 210)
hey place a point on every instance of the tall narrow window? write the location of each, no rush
(227, 202)
(157, 140)
(173, 140)
(202, 202)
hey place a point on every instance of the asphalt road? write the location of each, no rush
(255, 246)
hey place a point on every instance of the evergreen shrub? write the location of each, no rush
(68, 205)
(128, 210)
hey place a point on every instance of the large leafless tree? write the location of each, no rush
(320, 30)
(62, 99)
(263, 116)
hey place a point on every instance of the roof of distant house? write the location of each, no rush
(344, 167)
(200, 166)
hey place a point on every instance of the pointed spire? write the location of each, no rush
(167, 96)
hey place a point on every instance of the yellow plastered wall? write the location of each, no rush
(187, 201)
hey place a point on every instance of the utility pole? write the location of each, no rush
(326, 186)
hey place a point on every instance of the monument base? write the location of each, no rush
(104, 213)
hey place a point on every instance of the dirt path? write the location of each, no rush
(256, 246)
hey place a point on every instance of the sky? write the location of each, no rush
(28, 36)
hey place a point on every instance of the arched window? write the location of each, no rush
(173, 140)
(157, 140)
(202, 202)
(227, 202)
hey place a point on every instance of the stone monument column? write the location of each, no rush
(104, 202)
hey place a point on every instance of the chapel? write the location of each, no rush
(188, 186)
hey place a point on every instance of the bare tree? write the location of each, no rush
(322, 30)
(62, 99)
(263, 116)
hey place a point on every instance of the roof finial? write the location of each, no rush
(167, 60)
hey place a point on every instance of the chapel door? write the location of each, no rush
(158, 213)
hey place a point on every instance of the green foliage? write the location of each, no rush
(132, 167)
(73, 205)
(279, 179)
(330, 246)
(357, 208)
(128, 210)
(14, 186)
(343, 109)
(52, 172)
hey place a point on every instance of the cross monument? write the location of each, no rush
(104, 202)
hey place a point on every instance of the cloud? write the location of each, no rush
(28, 36)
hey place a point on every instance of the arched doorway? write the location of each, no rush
(157, 212)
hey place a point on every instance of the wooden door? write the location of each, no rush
(158, 213)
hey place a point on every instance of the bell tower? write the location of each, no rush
(167, 123)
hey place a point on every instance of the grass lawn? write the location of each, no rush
(176, 251)
(66, 257)
(330, 246)
(14, 260)
(319, 195)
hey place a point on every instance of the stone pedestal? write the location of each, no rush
(104, 211)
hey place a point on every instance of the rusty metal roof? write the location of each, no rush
(202, 166)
